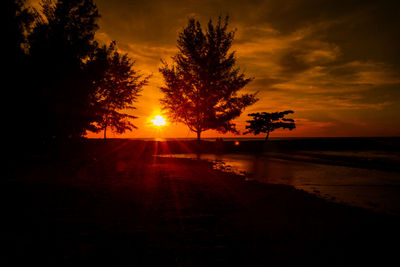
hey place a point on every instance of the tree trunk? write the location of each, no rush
(198, 135)
(266, 138)
(105, 127)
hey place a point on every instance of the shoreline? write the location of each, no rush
(117, 205)
(367, 188)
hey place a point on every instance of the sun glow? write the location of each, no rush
(159, 121)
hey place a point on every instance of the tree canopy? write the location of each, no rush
(265, 122)
(201, 86)
(15, 89)
(60, 80)
(61, 43)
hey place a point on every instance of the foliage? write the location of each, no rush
(15, 89)
(19, 19)
(268, 122)
(117, 90)
(202, 84)
(64, 83)
(61, 43)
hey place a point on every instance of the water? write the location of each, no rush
(377, 190)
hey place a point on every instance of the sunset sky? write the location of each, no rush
(335, 63)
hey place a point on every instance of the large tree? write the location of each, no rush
(14, 90)
(265, 122)
(201, 86)
(60, 46)
(116, 90)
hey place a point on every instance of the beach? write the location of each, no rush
(115, 203)
(374, 189)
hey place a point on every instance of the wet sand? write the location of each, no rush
(377, 190)
(116, 204)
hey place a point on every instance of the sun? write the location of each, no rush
(159, 121)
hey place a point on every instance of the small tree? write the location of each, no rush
(268, 122)
(201, 86)
(117, 90)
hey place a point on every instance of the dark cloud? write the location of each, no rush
(294, 60)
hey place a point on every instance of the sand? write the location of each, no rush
(116, 204)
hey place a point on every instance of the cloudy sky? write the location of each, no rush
(336, 63)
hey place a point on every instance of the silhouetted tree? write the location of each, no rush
(202, 84)
(14, 90)
(60, 46)
(19, 19)
(117, 90)
(268, 122)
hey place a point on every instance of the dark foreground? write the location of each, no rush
(116, 204)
